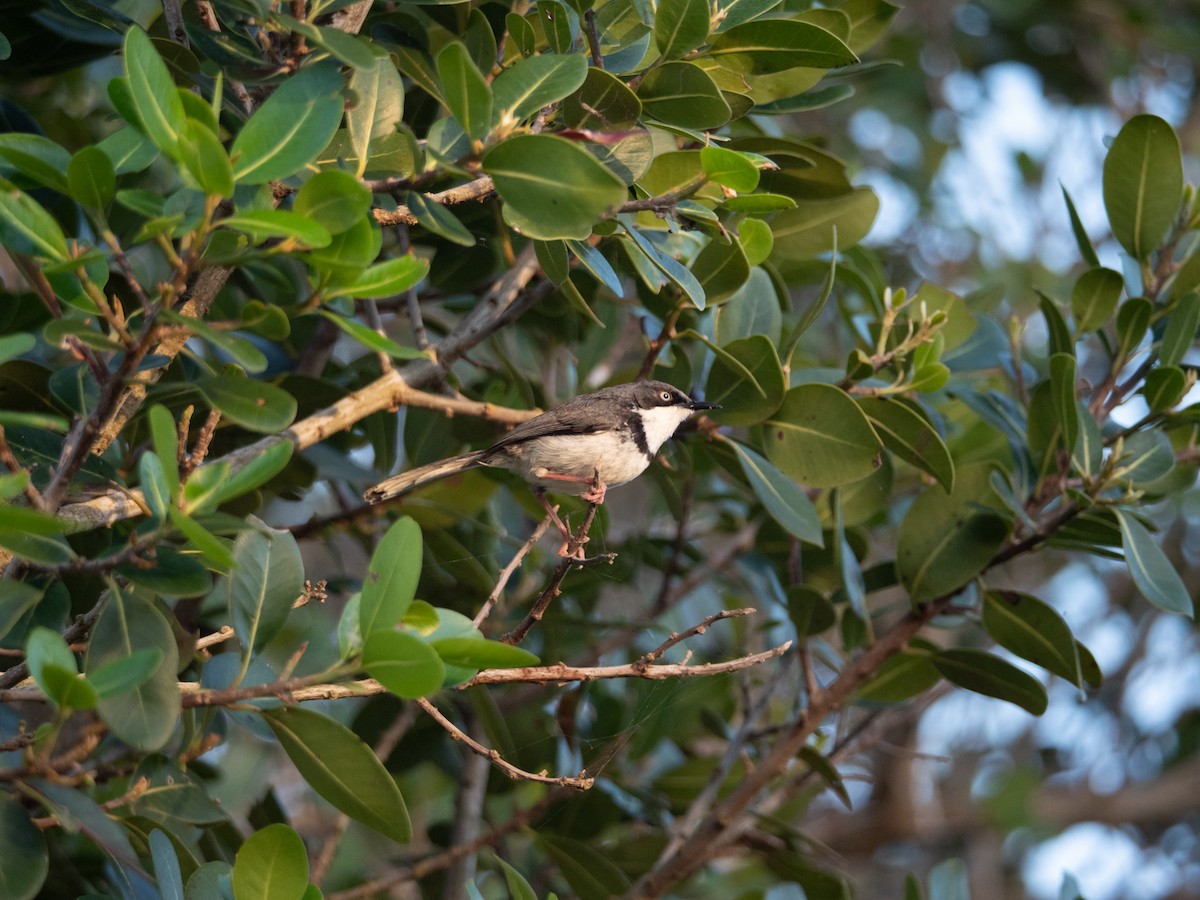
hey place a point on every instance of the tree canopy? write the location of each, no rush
(259, 256)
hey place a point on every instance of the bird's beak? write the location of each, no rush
(698, 405)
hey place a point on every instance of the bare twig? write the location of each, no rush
(507, 572)
(580, 783)
(675, 638)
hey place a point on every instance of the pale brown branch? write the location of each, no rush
(477, 191)
(580, 783)
(507, 572)
(699, 628)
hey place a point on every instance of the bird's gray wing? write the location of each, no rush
(570, 418)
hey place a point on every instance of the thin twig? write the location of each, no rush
(580, 783)
(676, 638)
(507, 572)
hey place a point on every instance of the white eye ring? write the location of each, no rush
(665, 396)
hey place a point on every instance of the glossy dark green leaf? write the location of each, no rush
(334, 200)
(747, 380)
(946, 539)
(552, 256)
(466, 92)
(215, 554)
(532, 83)
(26, 227)
(37, 158)
(811, 611)
(439, 220)
(551, 187)
(391, 578)
(479, 653)
(1094, 298)
(24, 861)
(1062, 393)
(384, 279)
(785, 500)
(603, 102)
(402, 663)
(19, 598)
(205, 160)
(682, 94)
(904, 675)
(255, 405)
(909, 434)
(774, 45)
(267, 224)
(167, 874)
(1133, 321)
(820, 437)
(556, 24)
(371, 338)
(33, 535)
(1152, 571)
(172, 574)
(91, 178)
(1086, 251)
(290, 128)
(144, 717)
(152, 92)
(591, 875)
(124, 674)
(1164, 387)
(379, 110)
(267, 578)
(991, 676)
(1033, 630)
(808, 228)
(721, 269)
(1056, 326)
(272, 864)
(342, 769)
(680, 26)
(594, 262)
(1143, 183)
(1180, 333)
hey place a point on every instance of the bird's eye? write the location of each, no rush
(665, 396)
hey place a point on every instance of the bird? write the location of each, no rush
(585, 446)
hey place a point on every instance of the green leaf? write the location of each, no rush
(1164, 387)
(1153, 573)
(350, 251)
(756, 239)
(261, 469)
(991, 676)
(591, 875)
(19, 598)
(811, 611)
(26, 227)
(391, 579)
(1033, 630)
(342, 769)
(33, 535)
(1056, 326)
(45, 648)
(371, 338)
(291, 127)
(466, 92)
(603, 102)
(479, 653)
(37, 158)
(205, 159)
(144, 717)
(173, 574)
(333, 200)
(552, 256)
(124, 674)
(518, 887)
(946, 539)
(385, 279)
(153, 481)
(668, 265)
(532, 83)
(774, 45)
(153, 94)
(808, 228)
(1094, 298)
(271, 865)
(556, 24)
(1062, 394)
(402, 663)
(267, 577)
(166, 445)
(379, 110)
(907, 432)
(167, 874)
(730, 168)
(904, 675)
(721, 269)
(682, 94)
(783, 498)
(680, 26)
(1180, 333)
(437, 219)
(1133, 321)
(215, 553)
(91, 178)
(1143, 183)
(1086, 251)
(551, 187)
(820, 437)
(24, 862)
(828, 773)
(255, 405)
(747, 380)
(266, 224)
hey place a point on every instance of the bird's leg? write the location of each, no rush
(595, 490)
(565, 550)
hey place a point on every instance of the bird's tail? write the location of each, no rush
(406, 481)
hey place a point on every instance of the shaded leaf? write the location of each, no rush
(1033, 630)
(785, 501)
(1152, 571)
(820, 437)
(991, 676)
(907, 433)
(271, 865)
(1143, 183)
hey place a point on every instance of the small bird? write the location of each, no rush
(587, 445)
